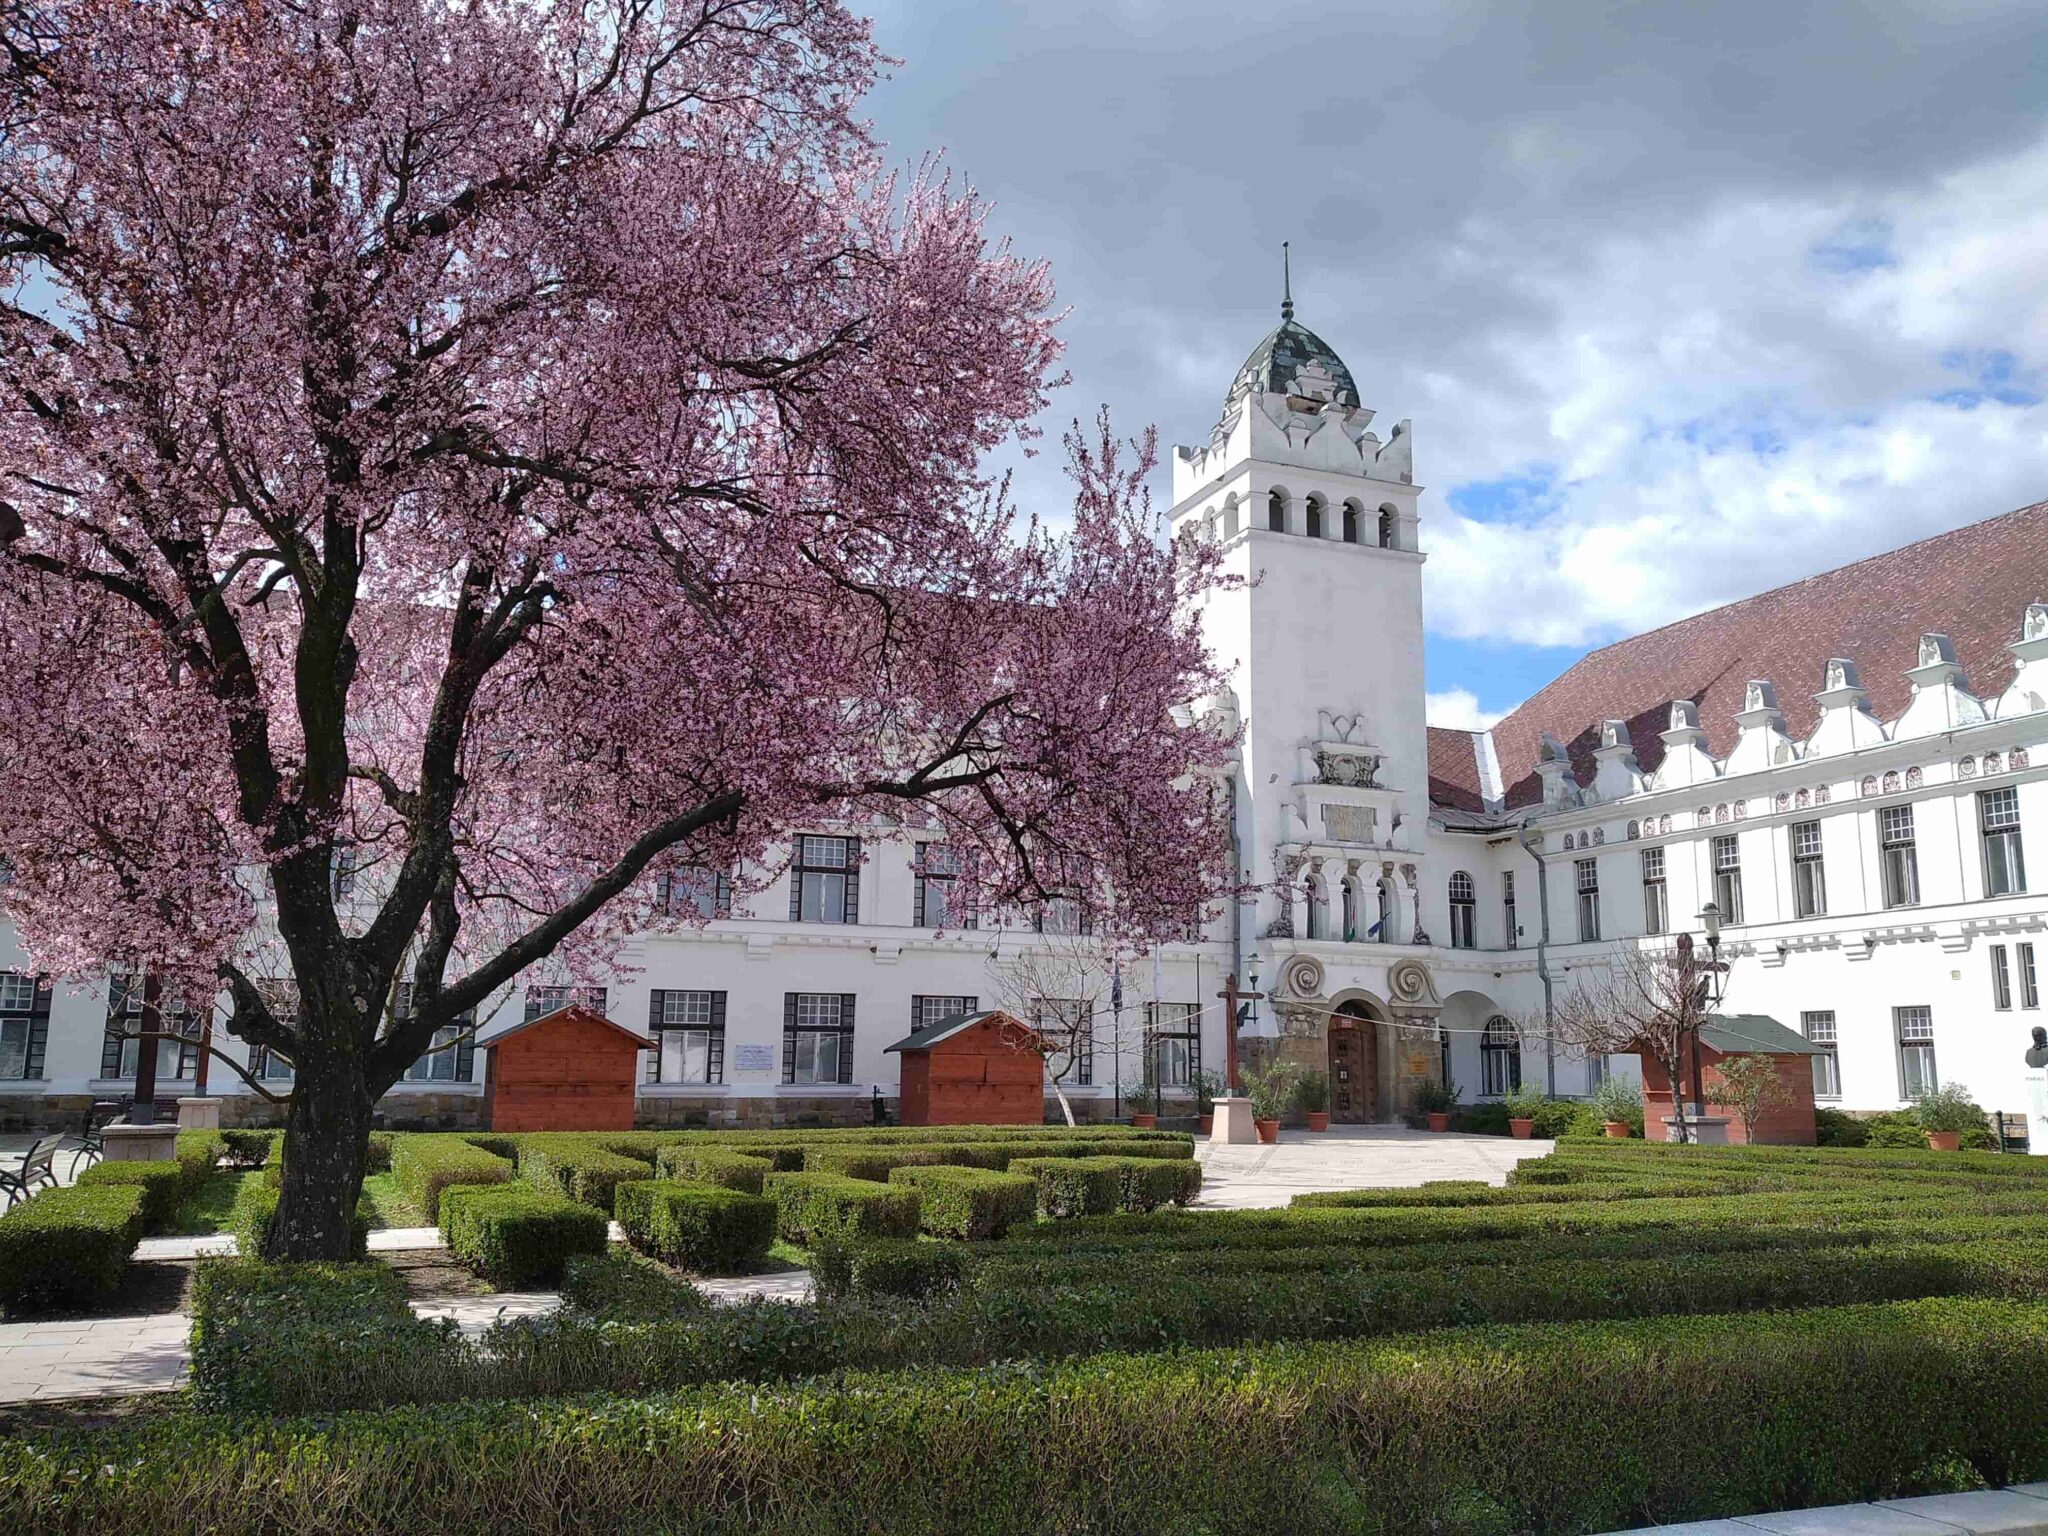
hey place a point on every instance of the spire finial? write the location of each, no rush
(1286, 284)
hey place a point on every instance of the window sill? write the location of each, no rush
(447, 1085)
(681, 1090)
(24, 1084)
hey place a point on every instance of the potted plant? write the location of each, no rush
(1619, 1101)
(1435, 1101)
(1205, 1086)
(1271, 1092)
(1523, 1103)
(1312, 1097)
(1945, 1113)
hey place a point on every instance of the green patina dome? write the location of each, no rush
(1294, 360)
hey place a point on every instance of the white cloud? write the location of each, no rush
(1457, 709)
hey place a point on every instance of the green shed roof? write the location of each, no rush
(1735, 1034)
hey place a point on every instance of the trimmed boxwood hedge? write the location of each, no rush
(1549, 1430)
(1095, 1186)
(707, 1228)
(62, 1247)
(888, 1267)
(163, 1185)
(971, 1203)
(578, 1169)
(828, 1207)
(621, 1287)
(424, 1166)
(256, 1205)
(876, 1163)
(708, 1165)
(515, 1234)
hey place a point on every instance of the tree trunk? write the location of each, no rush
(326, 1140)
(1065, 1108)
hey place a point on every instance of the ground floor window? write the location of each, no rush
(1500, 1058)
(927, 1010)
(1819, 1028)
(24, 1025)
(689, 1030)
(1174, 1032)
(1915, 1028)
(1068, 1024)
(817, 1037)
(542, 1000)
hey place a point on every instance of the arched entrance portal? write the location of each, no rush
(1354, 1064)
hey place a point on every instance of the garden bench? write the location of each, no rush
(34, 1169)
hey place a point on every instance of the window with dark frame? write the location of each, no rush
(546, 998)
(1175, 1035)
(1656, 909)
(1914, 1028)
(1068, 914)
(1809, 875)
(267, 1065)
(451, 1056)
(24, 1025)
(817, 1037)
(925, 1011)
(1728, 877)
(2030, 985)
(1898, 857)
(1588, 871)
(121, 1048)
(342, 868)
(1069, 1020)
(1464, 911)
(1507, 906)
(2001, 980)
(824, 880)
(1500, 1058)
(688, 1029)
(1315, 517)
(934, 898)
(2005, 864)
(1819, 1029)
(695, 888)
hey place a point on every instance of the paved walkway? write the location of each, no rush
(2017, 1511)
(1351, 1157)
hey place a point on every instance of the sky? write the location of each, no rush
(1686, 301)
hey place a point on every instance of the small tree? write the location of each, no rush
(1751, 1084)
(1061, 987)
(1644, 1002)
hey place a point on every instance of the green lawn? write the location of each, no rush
(206, 1209)
(392, 1208)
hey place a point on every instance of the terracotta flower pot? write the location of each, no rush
(1318, 1120)
(1269, 1130)
(1144, 1122)
(1618, 1129)
(1205, 1124)
(1945, 1141)
(1439, 1119)
(1522, 1129)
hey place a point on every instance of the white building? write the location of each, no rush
(1423, 887)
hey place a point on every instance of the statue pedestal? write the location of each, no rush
(2036, 1079)
(1232, 1124)
(157, 1143)
(199, 1114)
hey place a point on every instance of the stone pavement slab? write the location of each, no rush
(1998, 1512)
(1351, 1157)
(1852, 1520)
(2016, 1511)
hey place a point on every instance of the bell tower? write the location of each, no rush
(1317, 513)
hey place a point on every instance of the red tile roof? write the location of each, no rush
(1454, 769)
(1972, 584)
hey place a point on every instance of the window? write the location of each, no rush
(1809, 879)
(1500, 1058)
(121, 1050)
(342, 865)
(1386, 527)
(1230, 518)
(1350, 929)
(451, 1056)
(817, 1037)
(1819, 1028)
(824, 882)
(1068, 1023)
(1174, 1031)
(695, 888)
(1352, 513)
(546, 999)
(1507, 909)
(1318, 908)
(2030, 985)
(927, 1011)
(1915, 1028)
(1315, 517)
(1728, 878)
(2005, 868)
(1589, 899)
(1067, 914)
(933, 901)
(1276, 512)
(2001, 980)
(689, 1031)
(1901, 864)
(24, 1025)
(1387, 929)
(1464, 912)
(1656, 910)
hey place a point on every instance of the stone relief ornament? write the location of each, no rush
(1346, 729)
(1302, 976)
(1409, 985)
(1347, 770)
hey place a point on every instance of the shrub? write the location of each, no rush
(163, 1186)
(516, 1235)
(1896, 1130)
(578, 1170)
(1948, 1108)
(622, 1288)
(426, 1165)
(65, 1246)
(1524, 1101)
(707, 1228)
(1833, 1128)
(1272, 1091)
(1312, 1092)
(828, 1207)
(377, 1156)
(1620, 1099)
(197, 1153)
(1434, 1098)
(256, 1204)
(888, 1267)
(974, 1203)
(708, 1165)
(266, 1336)
(877, 1163)
(249, 1148)
(1074, 1186)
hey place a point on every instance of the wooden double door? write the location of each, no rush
(1354, 1078)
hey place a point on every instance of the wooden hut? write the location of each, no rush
(1788, 1123)
(973, 1069)
(570, 1070)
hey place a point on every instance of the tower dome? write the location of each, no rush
(1294, 360)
